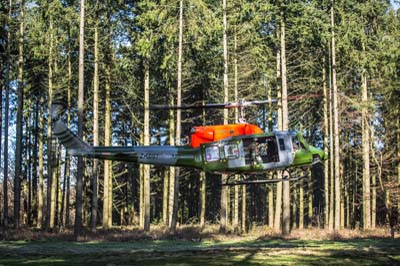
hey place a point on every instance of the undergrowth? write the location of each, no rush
(188, 232)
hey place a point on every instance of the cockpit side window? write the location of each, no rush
(282, 144)
(212, 154)
(231, 151)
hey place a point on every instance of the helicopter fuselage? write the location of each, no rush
(239, 154)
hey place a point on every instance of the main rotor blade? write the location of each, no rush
(211, 105)
(187, 106)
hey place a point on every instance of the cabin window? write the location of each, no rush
(212, 154)
(282, 144)
(231, 151)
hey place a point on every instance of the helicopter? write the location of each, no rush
(241, 148)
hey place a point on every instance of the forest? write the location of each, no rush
(332, 65)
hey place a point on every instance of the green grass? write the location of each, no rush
(256, 251)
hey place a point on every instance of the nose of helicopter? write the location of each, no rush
(316, 151)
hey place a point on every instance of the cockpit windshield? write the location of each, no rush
(297, 144)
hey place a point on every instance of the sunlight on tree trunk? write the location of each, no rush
(203, 195)
(146, 142)
(278, 200)
(244, 204)
(107, 220)
(224, 190)
(335, 126)
(165, 197)
(326, 150)
(365, 147)
(80, 166)
(95, 126)
(285, 126)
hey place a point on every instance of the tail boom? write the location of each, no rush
(157, 155)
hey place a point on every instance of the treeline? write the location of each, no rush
(334, 67)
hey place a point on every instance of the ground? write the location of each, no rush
(307, 247)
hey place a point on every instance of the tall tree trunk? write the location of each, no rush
(85, 190)
(35, 163)
(95, 126)
(67, 196)
(244, 197)
(236, 208)
(67, 156)
(55, 154)
(174, 181)
(146, 142)
(326, 133)
(285, 126)
(270, 193)
(278, 200)
(342, 189)
(171, 169)
(107, 182)
(6, 122)
(40, 222)
(51, 182)
(236, 94)
(365, 147)
(354, 198)
(110, 194)
(20, 92)
(2, 86)
(301, 203)
(347, 200)
(59, 194)
(331, 156)
(398, 158)
(80, 166)
(294, 204)
(141, 192)
(373, 180)
(310, 199)
(335, 125)
(50, 166)
(224, 203)
(203, 194)
(165, 197)
(203, 183)
(63, 195)
(27, 184)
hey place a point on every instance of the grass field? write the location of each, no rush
(248, 250)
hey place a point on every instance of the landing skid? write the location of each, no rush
(286, 176)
